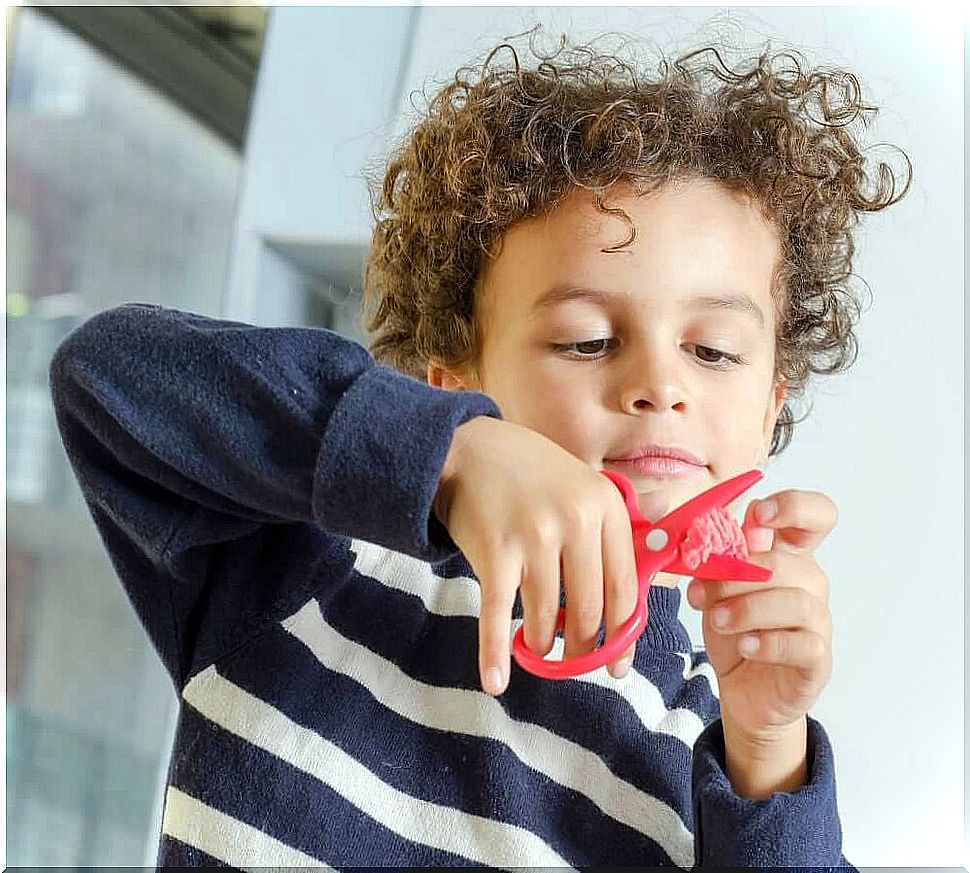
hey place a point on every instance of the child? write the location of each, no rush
(329, 554)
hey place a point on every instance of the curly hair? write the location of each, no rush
(499, 144)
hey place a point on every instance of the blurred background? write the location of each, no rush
(213, 158)
(125, 128)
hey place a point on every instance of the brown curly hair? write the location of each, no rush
(499, 144)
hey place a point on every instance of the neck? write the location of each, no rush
(667, 580)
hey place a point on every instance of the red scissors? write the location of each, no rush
(657, 546)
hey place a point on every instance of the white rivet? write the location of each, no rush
(657, 539)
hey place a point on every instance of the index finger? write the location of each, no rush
(702, 593)
(498, 583)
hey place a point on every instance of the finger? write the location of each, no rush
(582, 558)
(757, 537)
(802, 649)
(619, 583)
(787, 571)
(776, 608)
(498, 583)
(701, 593)
(800, 519)
(540, 599)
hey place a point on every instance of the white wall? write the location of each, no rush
(328, 84)
(884, 441)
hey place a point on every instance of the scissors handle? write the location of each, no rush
(566, 668)
(650, 559)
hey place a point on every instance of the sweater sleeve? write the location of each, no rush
(220, 461)
(797, 829)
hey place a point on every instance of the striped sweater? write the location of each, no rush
(264, 495)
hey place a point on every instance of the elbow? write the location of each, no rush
(90, 342)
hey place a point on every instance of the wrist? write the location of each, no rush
(758, 765)
(441, 503)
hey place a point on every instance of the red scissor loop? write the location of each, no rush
(656, 546)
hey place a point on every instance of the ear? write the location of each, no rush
(773, 410)
(439, 377)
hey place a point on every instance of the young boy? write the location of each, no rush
(330, 555)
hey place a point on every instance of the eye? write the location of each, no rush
(587, 350)
(717, 357)
(594, 350)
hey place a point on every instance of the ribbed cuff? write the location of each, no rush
(381, 458)
(799, 828)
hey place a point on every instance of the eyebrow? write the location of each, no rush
(731, 302)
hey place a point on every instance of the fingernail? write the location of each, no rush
(760, 539)
(719, 616)
(766, 510)
(493, 680)
(694, 595)
(749, 645)
(622, 668)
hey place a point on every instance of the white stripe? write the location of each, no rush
(704, 669)
(479, 839)
(225, 838)
(461, 596)
(644, 698)
(477, 714)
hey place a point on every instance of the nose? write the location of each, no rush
(652, 384)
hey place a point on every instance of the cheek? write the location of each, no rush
(569, 417)
(739, 420)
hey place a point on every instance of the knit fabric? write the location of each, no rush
(264, 495)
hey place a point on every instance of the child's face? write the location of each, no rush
(644, 370)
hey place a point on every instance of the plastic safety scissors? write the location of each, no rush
(657, 546)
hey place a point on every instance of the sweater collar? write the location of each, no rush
(665, 632)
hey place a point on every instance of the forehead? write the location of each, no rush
(693, 239)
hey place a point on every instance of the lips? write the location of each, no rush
(657, 467)
(660, 451)
(661, 462)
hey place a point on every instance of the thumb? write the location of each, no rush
(757, 537)
(653, 505)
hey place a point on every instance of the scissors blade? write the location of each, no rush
(724, 567)
(718, 496)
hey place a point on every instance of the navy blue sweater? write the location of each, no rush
(264, 495)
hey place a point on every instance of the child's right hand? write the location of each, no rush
(520, 507)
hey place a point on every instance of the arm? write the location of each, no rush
(797, 826)
(758, 770)
(764, 780)
(206, 448)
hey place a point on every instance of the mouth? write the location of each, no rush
(656, 466)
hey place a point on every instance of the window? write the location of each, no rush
(114, 194)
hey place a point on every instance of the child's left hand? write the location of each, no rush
(764, 692)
